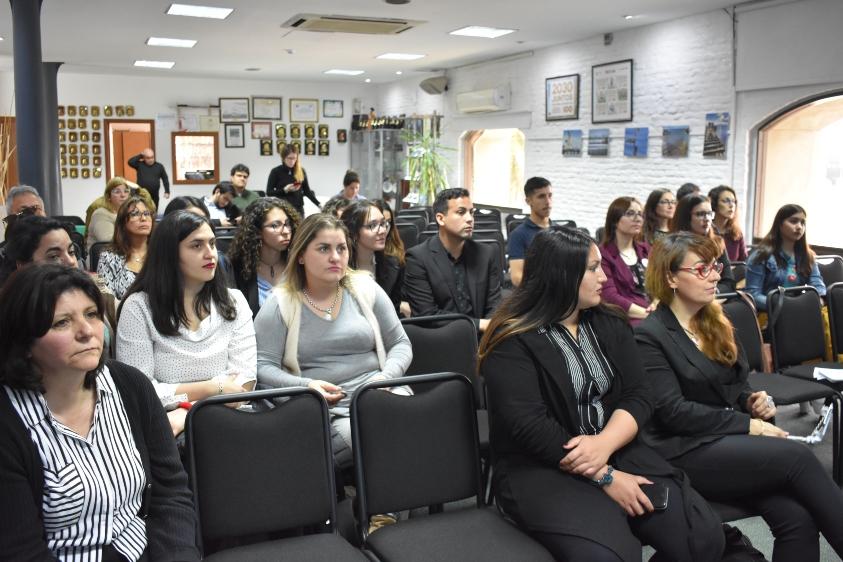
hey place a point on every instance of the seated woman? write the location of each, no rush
(258, 253)
(567, 397)
(328, 328)
(368, 230)
(133, 189)
(710, 423)
(658, 212)
(694, 214)
(118, 266)
(101, 225)
(87, 470)
(180, 325)
(725, 204)
(37, 240)
(783, 258)
(625, 259)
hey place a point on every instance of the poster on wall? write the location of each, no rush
(234, 136)
(675, 141)
(611, 92)
(572, 142)
(635, 141)
(562, 97)
(716, 135)
(598, 142)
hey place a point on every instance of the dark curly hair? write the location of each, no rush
(244, 251)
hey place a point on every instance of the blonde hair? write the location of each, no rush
(298, 171)
(310, 227)
(116, 181)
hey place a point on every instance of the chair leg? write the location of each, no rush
(488, 484)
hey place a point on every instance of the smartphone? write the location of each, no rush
(657, 493)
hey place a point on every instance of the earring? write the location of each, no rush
(674, 291)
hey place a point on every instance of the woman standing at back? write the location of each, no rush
(288, 181)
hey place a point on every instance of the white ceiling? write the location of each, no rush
(109, 35)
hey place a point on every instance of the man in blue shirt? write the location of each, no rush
(539, 196)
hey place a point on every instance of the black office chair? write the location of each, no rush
(260, 476)
(409, 234)
(428, 210)
(739, 270)
(427, 234)
(565, 223)
(70, 219)
(831, 268)
(512, 224)
(223, 243)
(491, 213)
(834, 296)
(94, 254)
(260, 193)
(421, 451)
(416, 219)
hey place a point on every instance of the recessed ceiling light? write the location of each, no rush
(166, 42)
(1, 38)
(154, 64)
(398, 72)
(367, 80)
(199, 11)
(344, 72)
(630, 17)
(400, 56)
(480, 31)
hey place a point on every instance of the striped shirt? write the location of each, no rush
(93, 486)
(591, 374)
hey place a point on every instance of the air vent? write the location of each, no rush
(349, 24)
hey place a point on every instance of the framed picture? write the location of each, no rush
(280, 131)
(324, 148)
(74, 173)
(323, 131)
(295, 131)
(95, 111)
(306, 110)
(84, 160)
(95, 124)
(130, 111)
(83, 111)
(71, 123)
(332, 108)
(266, 147)
(611, 92)
(279, 145)
(97, 161)
(71, 111)
(297, 145)
(562, 98)
(261, 130)
(61, 111)
(73, 136)
(83, 136)
(64, 172)
(310, 131)
(96, 149)
(86, 173)
(95, 137)
(62, 136)
(82, 123)
(61, 123)
(266, 108)
(234, 110)
(97, 172)
(342, 135)
(107, 110)
(235, 136)
(310, 147)
(120, 110)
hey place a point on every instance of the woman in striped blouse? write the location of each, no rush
(88, 468)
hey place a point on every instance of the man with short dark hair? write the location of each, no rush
(223, 212)
(351, 186)
(242, 196)
(151, 174)
(450, 272)
(539, 196)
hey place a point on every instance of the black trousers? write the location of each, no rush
(782, 479)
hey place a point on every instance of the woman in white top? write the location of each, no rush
(180, 325)
(101, 227)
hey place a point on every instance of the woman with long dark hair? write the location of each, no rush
(288, 181)
(121, 262)
(783, 258)
(709, 422)
(394, 245)
(658, 212)
(724, 201)
(694, 214)
(567, 397)
(180, 325)
(258, 253)
(37, 240)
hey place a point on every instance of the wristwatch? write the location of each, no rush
(606, 479)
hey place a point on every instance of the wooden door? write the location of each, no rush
(8, 154)
(126, 145)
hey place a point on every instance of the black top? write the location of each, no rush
(150, 176)
(389, 274)
(171, 521)
(282, 176)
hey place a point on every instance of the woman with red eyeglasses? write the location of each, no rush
(694, 214)
(709, 422)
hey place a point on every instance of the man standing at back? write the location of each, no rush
(450, 272)
(539, 196)
(242, 196)
(150, 174)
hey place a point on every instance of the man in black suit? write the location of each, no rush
(450, 272)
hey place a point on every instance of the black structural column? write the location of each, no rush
(52, 193)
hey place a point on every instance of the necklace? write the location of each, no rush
(139, 258)
(692, 336)
(270, 266)
(328, 311)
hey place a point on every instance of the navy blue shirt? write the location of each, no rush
(521, 238)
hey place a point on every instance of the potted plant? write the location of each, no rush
(427, 167)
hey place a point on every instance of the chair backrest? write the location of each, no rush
(419, 220)
(741, 312)
(515, 217)
(428, 210)
(488, 221)
(796, 325)
(488, 234)
(831, 268)
(514, 223)
(71, 219)
(499, 254)
(445, 343)
(260, 193)
(223, 242)
(834, 294)
(94, 254)
(415, 451)
(258, 472)
(409, 233)
(488, 213)
(739, 271)
(567, 223)
(414, 213)
(426, 234)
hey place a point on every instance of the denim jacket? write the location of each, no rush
(761, 278)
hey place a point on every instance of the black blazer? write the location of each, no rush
(430, 287)
(282, 176)
(697, 400)
(727, 282)
(389, 274)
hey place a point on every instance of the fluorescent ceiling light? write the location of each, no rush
(345, 72)
(199, 11)
(400, 56)
(165, 42)
(398, 72)
(154, 63)
(480, 31)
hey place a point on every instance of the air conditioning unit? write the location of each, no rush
(349, 24)
(493, 99)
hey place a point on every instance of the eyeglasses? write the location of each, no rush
(668, 202)
(702, 215)
(375, 225)
(137, 215)
(633, 214)
(703, 270)
(31, 210)
(277, 225)
(729, 201)
(120, 192)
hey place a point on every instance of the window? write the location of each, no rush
(493, 166)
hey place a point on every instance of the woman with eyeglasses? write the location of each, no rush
(258, 253)
(101, 225)
(725, 204)
(783, 258)
(694, 214)
(658, 212)
(368, 230)
(625, 259)
(118, 266)
(709, 422)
